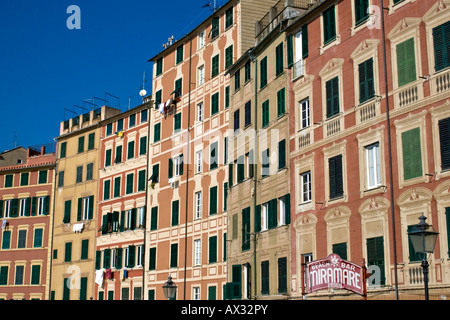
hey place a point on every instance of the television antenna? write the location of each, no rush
(168, 43)
(213, 6)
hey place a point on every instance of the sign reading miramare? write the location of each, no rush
(334, 273)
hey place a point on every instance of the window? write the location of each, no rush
(144, 115)
(336, 177)
(91, 141)
(139, 256)
(247, 68)
(236, 120)
(265, 279)
(119, 125)
(118, 158)
(214, 156)
(248, 113)
(85, 208)
(22, 239)
(130, 150)
(158, 98)
(201, 39)
(282, 275)
(196, 293)
(159, 66)
(142, 175)
(35, 275)
(237, 80)
(228, 56)
(178, 92)
(4, 275)
(441, 39)
(305, 120)
(175, 212)
(24, 179)
(201, 75)
(265, 114)
(200, 112)
(61, 179)
(9, 179)
(305, 184)
(63, 151)
(229, 18)
(279, 67)
(375, 256)
(177, 122)
(246, 236)
(332, 97)
(173, 255)
(143, 146)
(80, 144)
(42, 177)
(89, 171)
(84, 249)
(198, 205)
(265, 163)
(6, 240)
(215, 66)
(180, 54)
(24, 207)
(19, 275)
(240, 169)
(42, 205)
(67, 211)
(213, 200)
(412, 154)
(266, 217)
(281, 154)
(444, 138)
(152, 259)
(108, 156)
(213, 249)
(198, 252)
(199, 161)
(340, 249)
(361, 11)
(130, 219)
(214, 103)
(215, 28)
(406, 62)
(373, 165)
(281, 102)
(68, 252)
(154, 219)
(263, 66)
(109, 129)
(366, 81)
(329, 25)
(79, 174)
(130, 183)
(157, 132)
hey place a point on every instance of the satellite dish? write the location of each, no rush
(143, 93)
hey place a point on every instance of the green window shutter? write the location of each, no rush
(180, 54)
(175, 212)
(79, 209)
(130, 150)
(68, 252)
(305, 41)
(158, 98)
(154, 219)
(332, 96)
(258, 218)
(91, 208)
(67, 211)
(9, 179)
(213, 249)
(263, 71)
(215, 28)
(272, 223)
(281, 102)
(279, 65)
(6, 241)
(177, 122)
(118, 154)
(42, 177)
(228, 56)
(122, 221)
(107, 258)
(412, 154)
(281, 154)
(444, 138)
(178, 88)
(117, 181)
(143, 146)
(441, 40)
(214, 156)
(142, 180)
(84, 249)
(340, 249)
(406, 62)
(366, 81)
(213, 200)
(133, 218)
(80, 144)
(35, 275)
(265, 278)
(108, 158)
(83, 288)
(119, 258)
(224, 247)
(63, 150)
(91, 141)
(212, 293)
(246, 229)
(375, 255)
(290, 50)
(1, 208)
(4, 275)
(229, 18)
(181, 165)
(227, 97)
(282, 275)
(14, 211)
(152, 259)
(329, 25)
(130, 183)
(240, 169)
(214, 103)
(131, 256)
(174, 255)
(215, 66)
(38, 238)
(66, 289)
(447, 219)
(105, 224)
(159, 66)
(335, 177)
(265, 114)
(106, 189)
(28, 206)
(230, 175)
(157, 132)
(287, 208)
(361, 14)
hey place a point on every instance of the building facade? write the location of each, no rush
(26, 206)
(75, 212)
(122, 206)
(187, 224)
(366, 163)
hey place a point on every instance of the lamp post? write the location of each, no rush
(423, 238)
(169, 289)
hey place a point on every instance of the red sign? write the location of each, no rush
(334, 273)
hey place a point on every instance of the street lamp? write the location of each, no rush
(170, 289)
(423, 238)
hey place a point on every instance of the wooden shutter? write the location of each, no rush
(122, 221)
(104, 224)
(157, 132)
(412, 154)
(175, 212)
(282, 275)
(375, 255)
(68, 252)
(246, 229)
(361, 14)
(258, 218)
(91, 141)
(98, 259)
(107, 258)
(131, 256)
(279, 59)
(213, 249)
(213, 200)
(287, 208)
(444, 139)
(173, 255)
(133, 218)
(272, 223)
(281, 102)
(265, 278)
(281, 154)
(170, 168)
(305, 41)
(406, 62)
(340, 249)
(332, 96)
(84, 249)
(290, 50)
(14, 208)
(335, 177)
(263, 66)
(441, 38)
(91, 208)
(67, 211)
(447, 220)
(154, 219)
(329, 25)
(46, 205)
(152, 259)
(366, 81)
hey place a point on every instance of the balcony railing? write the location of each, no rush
(440, 82)
(298, 69)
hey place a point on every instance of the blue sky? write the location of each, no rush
(46, 68)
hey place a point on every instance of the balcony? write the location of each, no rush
(408, 94)
(298, 69)
(440, 82)
(282, 11)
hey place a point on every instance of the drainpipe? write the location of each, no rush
(144, 283)
(389, 148)
(53, 221)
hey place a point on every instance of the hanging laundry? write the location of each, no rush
(99, 277)
(108, 274)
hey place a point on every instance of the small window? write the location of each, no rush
(304, 113)
(180, 54)
(329, 25)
